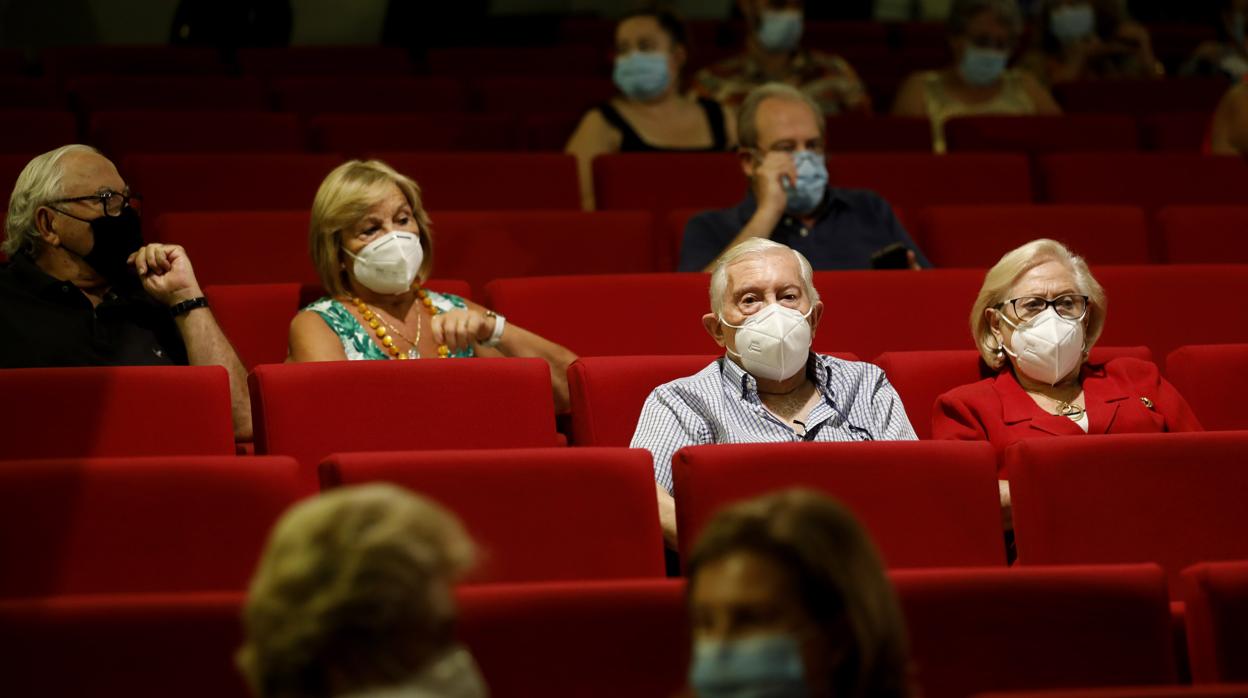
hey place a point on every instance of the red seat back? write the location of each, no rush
(1161, 305)
(573, 59)
(36, 131)
(327, 94)
(619, 639)
(511, 500)
(1238, 690)
(1204, 234)
(1042, 134)
(1000, 630)
(888, 485)
(1141, 96)
(1173, 499)
(243, 247)
(126, 60)
(185, 93)
(878, 134)
(139, 525)
(1143, 179)
(1176, 131)
(119, 133)
(413, 405)
(491, 181)
(116, 411)
(356, 134)
(1216, 611)
(527, 94)
(914, 180)
(977, 236)
(321, 60)
(256, 319)
(660, 182)
(1213, 378)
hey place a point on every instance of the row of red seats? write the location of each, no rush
(126, 131)
(970, 631)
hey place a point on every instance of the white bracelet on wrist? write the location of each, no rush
(496, 336)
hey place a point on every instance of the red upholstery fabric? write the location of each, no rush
(878, 134)
(251, 181)
(1143, 179)
(1173, 499)
(311, 410)
(1042, 134)
(36, 130)
(599, 500)
(1014, 629)
(1155, 305)
(23, 93)
(533, 94)
(549, 130)
(320, 60)
(356, 134)
(116, 411)
(575, 59)
(198, 93)
(124, 60)
(1175, 131)
(326, 94)
(1216, 600)
(610, 639)
(148, 646)
(1141, 96)
(977, 236)
(243, 247)
(888, 485)
(914, 180)
(1204, 234)
(123, 132)
(1213, 379)
(112, 525)
(256, 319)
(491, 181)
(922, 376)
(1205, 691)
(660, 182)
(480, 246)
(632, 313)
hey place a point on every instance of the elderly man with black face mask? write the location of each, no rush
(770, 386)
(81, 288)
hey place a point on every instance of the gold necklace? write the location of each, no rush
(1064, 409)
(375, 322)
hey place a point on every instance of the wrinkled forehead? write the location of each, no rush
(1047, 279)
(764, 268)
(88, 173)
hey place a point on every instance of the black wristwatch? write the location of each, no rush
(187, 306)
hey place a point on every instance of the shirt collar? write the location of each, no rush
(1017, 406)
(23, 268)
(740, 383)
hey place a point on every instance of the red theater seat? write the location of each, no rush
(325, 60)
(116, 411)
(548, 131)
(888, 486)
(1204, 234)
(1141, 96)
(661, 182)
(138, 525)
(1173, 499)
(242, 182)
(491, 181)
(333, 94)
(124, 132)
(1042, 134)
(922, 376)
(877, 134)
(977, 236)
(914, 180)
(185, 644)
(18, 93)
(575, 59)
(524, 94)
(1029, 629)
(243, 247)
(182, 61)
(540, 514)
(619, 639)
(1216, 605)
(1214, 380)
(624, 314)
(356, 134)
(256, 319)
(36, 131)
(199, 93)
(1205, 691)
(308, 410)
(1187, 297)
(1176, 131)
(1149, 180)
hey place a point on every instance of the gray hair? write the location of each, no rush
(747, 121)
(719, 277)
(963, 11)
(40, 182)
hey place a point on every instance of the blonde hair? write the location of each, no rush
(354, 584)
(1002, 277)
(343, 199)
(719, 276)
(747, 116)
(41, 182)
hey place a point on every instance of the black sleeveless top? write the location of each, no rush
(632, 143)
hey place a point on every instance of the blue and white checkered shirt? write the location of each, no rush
(720, 405)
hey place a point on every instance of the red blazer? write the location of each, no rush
(1000, 411)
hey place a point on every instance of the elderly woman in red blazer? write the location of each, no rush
(1039, 312)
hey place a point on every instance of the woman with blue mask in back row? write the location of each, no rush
(652, 113)
(982, 34)
(1089, 40)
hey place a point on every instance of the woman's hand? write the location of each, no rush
(460, 329)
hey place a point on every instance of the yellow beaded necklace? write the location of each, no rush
(387, 341)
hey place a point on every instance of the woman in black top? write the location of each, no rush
(651, 114)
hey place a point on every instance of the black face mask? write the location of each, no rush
(116, 238)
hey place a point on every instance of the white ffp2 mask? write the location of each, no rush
(1047, 347)
(773, 343)
(390, 263)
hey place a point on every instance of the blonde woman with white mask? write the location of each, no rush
(371, 242)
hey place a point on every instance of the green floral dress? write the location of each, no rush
(357, 340)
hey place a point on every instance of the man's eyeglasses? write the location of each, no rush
(1071, 307)
(111, 202)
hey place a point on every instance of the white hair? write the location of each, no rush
(719, 276)
(40, 182)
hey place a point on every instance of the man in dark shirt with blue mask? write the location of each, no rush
(781, 133)
(81, 288)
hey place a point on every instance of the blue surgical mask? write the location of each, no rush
(982, 67)
(780, 30)
(812, 182)
(762, 666)
(1072, 23)
(642, 75)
